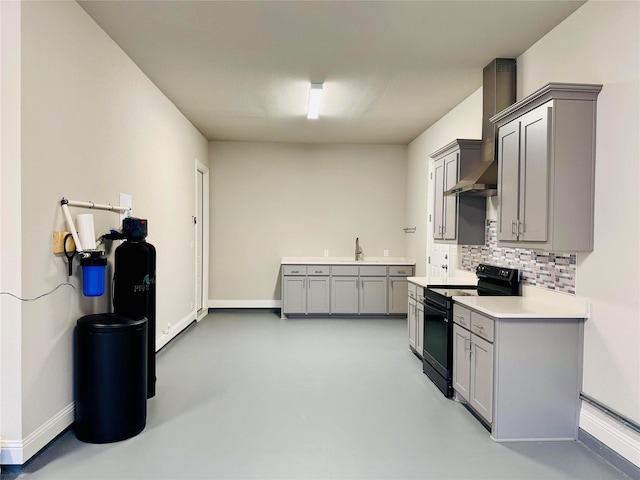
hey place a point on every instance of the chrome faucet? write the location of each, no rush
(358, 250)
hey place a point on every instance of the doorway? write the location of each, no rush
(201, 226)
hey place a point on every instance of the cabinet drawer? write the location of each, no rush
(318, 270)
(344, 270)
(373, 271)
(412, 290)
(400, 270)
(482, 326)
(294, 269)
(462, 316)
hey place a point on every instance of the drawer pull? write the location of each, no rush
(478, 326)
(318, 271)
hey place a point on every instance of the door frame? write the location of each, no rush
(201, 172)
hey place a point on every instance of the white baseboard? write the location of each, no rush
(614, 435)
(245, 303)
(18, 452)
(170, 332)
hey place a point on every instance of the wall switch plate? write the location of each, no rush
(326, 253)
(126, 200)
(58, 242)
(386, 253)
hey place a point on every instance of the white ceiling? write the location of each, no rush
(240, 70)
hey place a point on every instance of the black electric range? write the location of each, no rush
(438, 318)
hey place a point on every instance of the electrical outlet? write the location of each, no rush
(385, 253)
(326, 253)
(58, 242)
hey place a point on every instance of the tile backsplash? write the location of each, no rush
(550, 270)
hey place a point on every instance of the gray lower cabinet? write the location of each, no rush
(305, 289)
(397, 301)
(373, 295)
(318, 288)
(521, 375)
(412, 315)
(359, 289)
(345, 289)
(294, 294)
(344, 294)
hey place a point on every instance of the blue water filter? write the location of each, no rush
(93, 265)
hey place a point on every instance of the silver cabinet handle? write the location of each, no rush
(513, 228)
(478, 326)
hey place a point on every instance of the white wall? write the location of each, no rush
(600, 43)
(464, 121)
(92, 125)
(10, 230)
(270, 200)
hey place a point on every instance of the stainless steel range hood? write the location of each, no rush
(498, 92)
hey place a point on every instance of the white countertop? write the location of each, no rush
(457, 280)
(548, 306)
(347, 261)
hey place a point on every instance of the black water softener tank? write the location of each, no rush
(110, 377)
(134, 285)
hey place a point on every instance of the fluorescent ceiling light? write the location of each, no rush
(315, 95)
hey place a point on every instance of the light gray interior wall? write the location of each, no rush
(270, 200)
(600, 43)
(464, 121)
(10, 230)
(93, 125)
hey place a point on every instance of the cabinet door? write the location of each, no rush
(508, 180)
(318, 294)
(481, 382)
(534, 175)
(398, 295)
(344, 294)
(294, 294)
(450, 202)
(411, 323)
(438, 199)
(461, 361)
(373, 295)
(419, 329)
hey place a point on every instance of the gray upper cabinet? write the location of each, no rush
(457, 220)
(546, 162)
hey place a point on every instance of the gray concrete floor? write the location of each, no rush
(245, 394)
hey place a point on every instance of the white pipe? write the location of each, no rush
(115, 208)
(71, 226)
(72, 203)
